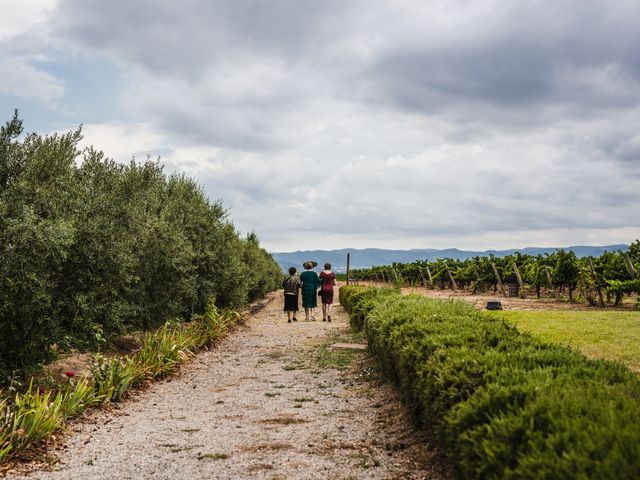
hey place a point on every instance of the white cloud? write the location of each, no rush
(22, 79)
(122, 142)
(21, 15)
(405, 123)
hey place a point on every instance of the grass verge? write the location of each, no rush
(609, 335)
(339, 359)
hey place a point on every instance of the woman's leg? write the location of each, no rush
(324, 312)
(307, 311)
(289, 315)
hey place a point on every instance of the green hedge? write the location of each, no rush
(504, 404)
(90, 246)
(359, 300)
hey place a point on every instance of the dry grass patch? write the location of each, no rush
(174, 448)
(303, 399)
(260, 466)
(275, 355)
(284, 420)
(213, 456)
(273, 446)
(293, 366)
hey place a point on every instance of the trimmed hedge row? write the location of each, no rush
(504, 404)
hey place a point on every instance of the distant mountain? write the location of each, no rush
(366, 257)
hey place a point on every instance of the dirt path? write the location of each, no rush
(272, 401)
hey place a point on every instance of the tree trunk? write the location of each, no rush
(618, 299)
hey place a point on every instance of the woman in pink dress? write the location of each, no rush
(328, 279)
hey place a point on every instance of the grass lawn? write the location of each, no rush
(611, 335)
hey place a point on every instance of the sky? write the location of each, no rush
(473, 124)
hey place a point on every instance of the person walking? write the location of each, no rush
(291, 287)
(310, 283)
(328, 279)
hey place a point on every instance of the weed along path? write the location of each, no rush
(271, 401)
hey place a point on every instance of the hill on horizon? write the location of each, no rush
(367, 257)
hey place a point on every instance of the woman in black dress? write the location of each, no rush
(291, 287)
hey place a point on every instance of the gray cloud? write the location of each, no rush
(187, 39)
(403, 121)
(533, 66)
(248, 64)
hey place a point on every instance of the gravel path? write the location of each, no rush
(271, 401)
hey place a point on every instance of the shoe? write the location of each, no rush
(295, 319)
(329, 318)
(313, 319)
(289, 321)
(324, 319)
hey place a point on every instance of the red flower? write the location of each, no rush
(70, 373)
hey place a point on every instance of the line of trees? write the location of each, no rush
(607, 278)
(93, 248)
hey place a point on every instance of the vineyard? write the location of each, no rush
(601, 281)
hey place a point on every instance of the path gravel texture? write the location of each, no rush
(270, 401)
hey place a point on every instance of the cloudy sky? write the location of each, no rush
(329, 124)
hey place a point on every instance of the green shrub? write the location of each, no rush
(212, 324)
(5, 428)
(35, 414)
(77, 396)
(112, 377)
(359, 300)
(90, 244)
(504, 404)
(346, 294)
(34, 417)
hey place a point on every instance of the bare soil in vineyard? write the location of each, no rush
(271, 401)
(78, 362)
(512, 303)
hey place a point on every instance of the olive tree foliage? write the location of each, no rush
(88, 244)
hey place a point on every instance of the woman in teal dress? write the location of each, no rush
(310, 284)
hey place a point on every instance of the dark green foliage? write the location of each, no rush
(554, 273)
(88, 244)
(505, 404)
(359, 300)
(567, 271)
